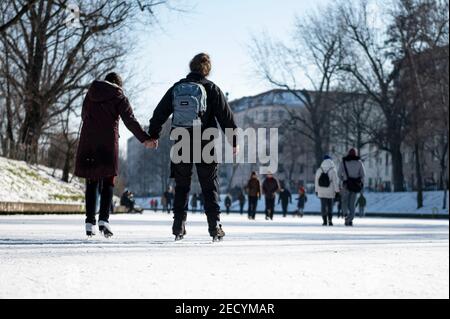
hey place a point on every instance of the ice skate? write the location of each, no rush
(90, 229)
(180, 235)
(219, 234)
(105, 229)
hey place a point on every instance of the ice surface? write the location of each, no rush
(49, 257)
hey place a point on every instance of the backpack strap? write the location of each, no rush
(345, 168)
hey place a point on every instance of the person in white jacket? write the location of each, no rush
(327, 186)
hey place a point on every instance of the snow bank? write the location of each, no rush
(21, 182)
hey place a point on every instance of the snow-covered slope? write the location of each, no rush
(21, 182)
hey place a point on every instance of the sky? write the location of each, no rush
(222, 28)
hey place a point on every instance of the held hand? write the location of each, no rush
(151, 144)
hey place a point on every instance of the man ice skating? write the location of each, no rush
(270, 187)
(195, 99)
(254, 194)
(285, 198)
(327, 186)
(97, 154)
(352, 173)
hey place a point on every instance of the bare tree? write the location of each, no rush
(53, 57)
(26, 6)
(316, 53)
(369, 61)
(414, 35)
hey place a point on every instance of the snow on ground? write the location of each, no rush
(49, 257)
(21, 182)
(390, 203)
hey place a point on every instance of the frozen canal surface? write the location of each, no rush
(49, 257)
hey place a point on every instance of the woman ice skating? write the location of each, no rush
(195, 99)
(327, 186)
(97, 154)
(254, 194)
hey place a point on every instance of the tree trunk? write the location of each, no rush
(419, 176)
(397, 169)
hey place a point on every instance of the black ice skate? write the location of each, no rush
(219, 234)
(90, 229)
(105, 229)
(182, 233)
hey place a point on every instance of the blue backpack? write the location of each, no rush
(189, 104)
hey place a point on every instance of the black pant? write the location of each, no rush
(209, 182)
(327, 209)
(241, 207)
(105, 187)
(270, 206)
(284, 205)
(252, 204)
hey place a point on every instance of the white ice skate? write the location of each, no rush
(105, 229)
(90, 229)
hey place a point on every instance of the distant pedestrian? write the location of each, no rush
(338, 202)
(301, 201)
(241, 199)
(327, 186)
(254, 194)
(194, 202)
(228, 202)
(270, 187)
(351, 173)
(164, 202)
(284, 198)
(169, 196)
(361, 204)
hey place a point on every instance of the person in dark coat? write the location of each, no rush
(285, 198)
(228, 202)
(254, 193)
(270, 187)
(217, 112)
(241, 199)
(168, 194)
(301, 201)
(98, 149)
(194, 202)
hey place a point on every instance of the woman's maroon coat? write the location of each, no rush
(98, 149)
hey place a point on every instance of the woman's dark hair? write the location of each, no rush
(201, 63)
(115, 78)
